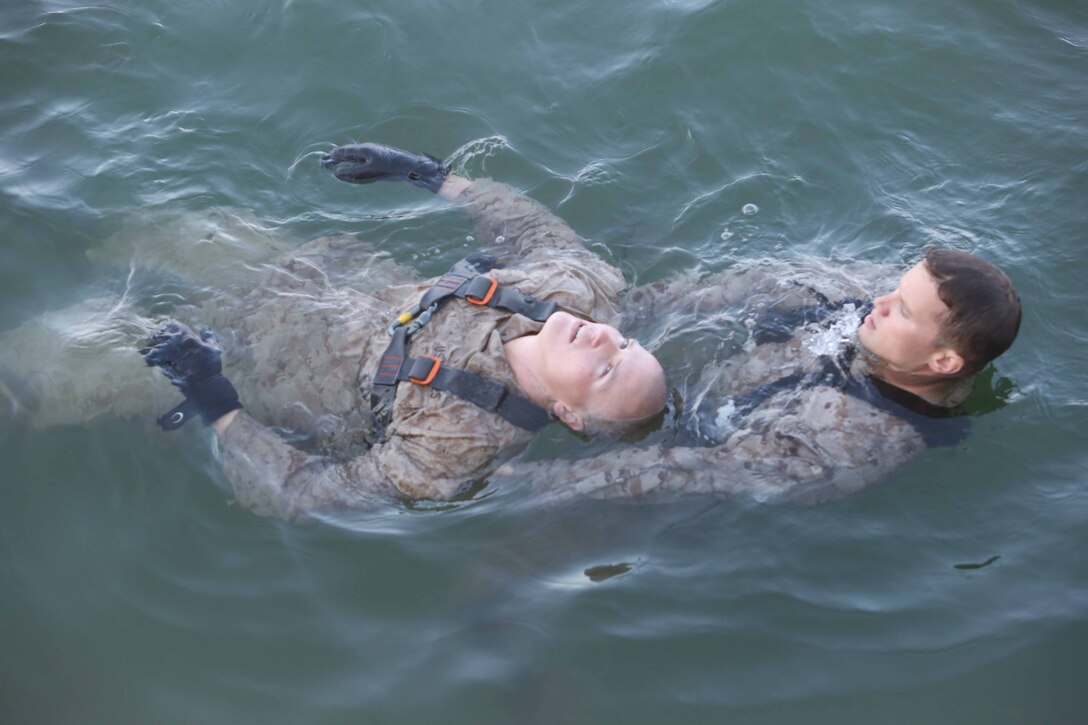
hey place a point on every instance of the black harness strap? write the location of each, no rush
(931, 421)
(463, 281)
(476, 389)
(480, 289)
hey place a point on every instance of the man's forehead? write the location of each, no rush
(636, 375)
(919, 290)
(917, 271)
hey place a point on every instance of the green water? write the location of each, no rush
(132, 592)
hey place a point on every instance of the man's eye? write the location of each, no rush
(607, 370)
(623, 344)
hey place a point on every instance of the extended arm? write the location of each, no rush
(549, 259)
(827, 446)
(269, 476)
(272, 478)
(506, 222)
(772, 293)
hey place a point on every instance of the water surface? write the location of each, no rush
(865, 130)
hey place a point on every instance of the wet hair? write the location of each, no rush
(653, 409)
(983, 308)
(625, 430)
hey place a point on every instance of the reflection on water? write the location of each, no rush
(146, 146)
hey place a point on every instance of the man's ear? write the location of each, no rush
(568, 416)
(946, 361)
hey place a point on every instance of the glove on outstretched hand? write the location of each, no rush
(366, 162)
(194, 366)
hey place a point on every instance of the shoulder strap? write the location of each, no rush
(476, 389)
(464, 281)
(480, 289)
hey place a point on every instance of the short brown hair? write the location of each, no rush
(624, 430)
(983, 308)
(655, 401)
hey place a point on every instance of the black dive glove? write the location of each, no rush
(193, 365)
(366, 162)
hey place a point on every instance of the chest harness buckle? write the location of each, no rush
(466, 280)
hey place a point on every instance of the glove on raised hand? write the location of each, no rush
(194, 366)
(367, 162)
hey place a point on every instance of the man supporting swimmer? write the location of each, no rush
(808, 427)
(778, 417)
(574, 365)
(789, 417)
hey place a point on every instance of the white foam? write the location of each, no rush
(723, 420)
(839, 335)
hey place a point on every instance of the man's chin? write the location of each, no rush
(866, 353)
(863, 333)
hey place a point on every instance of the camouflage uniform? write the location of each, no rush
(301, 339)
(815, 429)
(301, 344)
(304, 355)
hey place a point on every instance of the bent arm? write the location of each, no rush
(272, 478)
(532, 240)
(510, 224)
(505, 220)
(761, 289)
(827, 447)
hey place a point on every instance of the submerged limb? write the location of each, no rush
(506, 222)
(816, 446)
(512, 225)
(70, 366)
(757, 286)
(220, 248)
(272, 478)
(332, 261)
(231, 252)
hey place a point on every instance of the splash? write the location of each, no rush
(723, 420)
(834, 339)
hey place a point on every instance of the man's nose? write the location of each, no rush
(602, 337)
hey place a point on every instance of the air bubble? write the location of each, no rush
(750, 209)
(725, 415)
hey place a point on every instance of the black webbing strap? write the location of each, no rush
(384, 389)
(476, 389)
(480, 289)
(462, 282)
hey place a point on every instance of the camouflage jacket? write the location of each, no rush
(774, 399)
(305, 351)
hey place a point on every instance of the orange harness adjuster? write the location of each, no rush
(430, 376)
(487, 297)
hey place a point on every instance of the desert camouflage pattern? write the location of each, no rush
(808, 443)
(304, 355)
(301, 337)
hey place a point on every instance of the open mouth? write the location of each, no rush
(578, 327)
